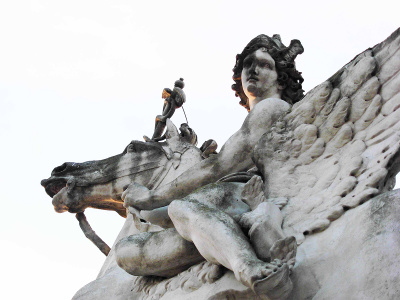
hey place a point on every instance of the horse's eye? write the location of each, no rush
(131, 148)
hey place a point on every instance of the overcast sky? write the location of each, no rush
(80, 79)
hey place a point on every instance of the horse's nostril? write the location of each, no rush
(59, 169)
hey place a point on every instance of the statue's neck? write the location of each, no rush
(253, 102)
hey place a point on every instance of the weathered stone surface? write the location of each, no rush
(319, 163)
(336, 148)
(112, 282)
(357, 257)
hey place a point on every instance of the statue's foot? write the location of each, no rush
(266, 279)
(208, 272)
(284, 251)
(263, 227)
(275, 286)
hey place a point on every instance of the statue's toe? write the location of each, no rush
(276, 286)
(284, 250)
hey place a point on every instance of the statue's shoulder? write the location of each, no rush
(275, 103)
(267, 111)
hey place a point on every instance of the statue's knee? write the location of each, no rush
(183, 210)
(176, 209)
(180, 213)
(129, 254)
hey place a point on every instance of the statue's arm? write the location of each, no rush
(234, 156)
(203, 173)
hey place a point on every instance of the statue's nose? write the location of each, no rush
(68, 166)
(253, 69)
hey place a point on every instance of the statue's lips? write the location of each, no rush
(252, 79)
(52, 187)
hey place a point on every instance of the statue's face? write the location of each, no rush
(259, 76)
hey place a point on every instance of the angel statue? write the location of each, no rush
(213, 218)
(292, 206)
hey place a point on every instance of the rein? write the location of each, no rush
(153, 184)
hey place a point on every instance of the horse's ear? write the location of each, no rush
(172, 134)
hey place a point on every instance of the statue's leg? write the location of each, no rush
(263, 225)
(220, 240)
(159, 127)
(264, 228)
(164, 253)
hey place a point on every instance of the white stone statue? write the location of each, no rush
(316, 158)
(210, 217)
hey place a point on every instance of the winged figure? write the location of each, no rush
(339, 146)
(295, 166)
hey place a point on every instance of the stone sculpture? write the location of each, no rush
(330, 152)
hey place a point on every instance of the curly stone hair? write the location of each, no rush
(288, 77)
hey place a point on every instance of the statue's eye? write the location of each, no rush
(266, 65)
(131, 148)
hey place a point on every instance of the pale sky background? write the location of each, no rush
(80, 79)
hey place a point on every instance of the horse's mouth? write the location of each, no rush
(52, 187)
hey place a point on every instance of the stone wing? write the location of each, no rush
(339, 146)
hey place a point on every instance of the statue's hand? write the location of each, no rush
(137, 196)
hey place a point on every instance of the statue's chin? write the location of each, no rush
(52, 186)
(251, 91)
(58, 201)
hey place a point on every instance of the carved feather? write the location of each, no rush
(334, 150)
